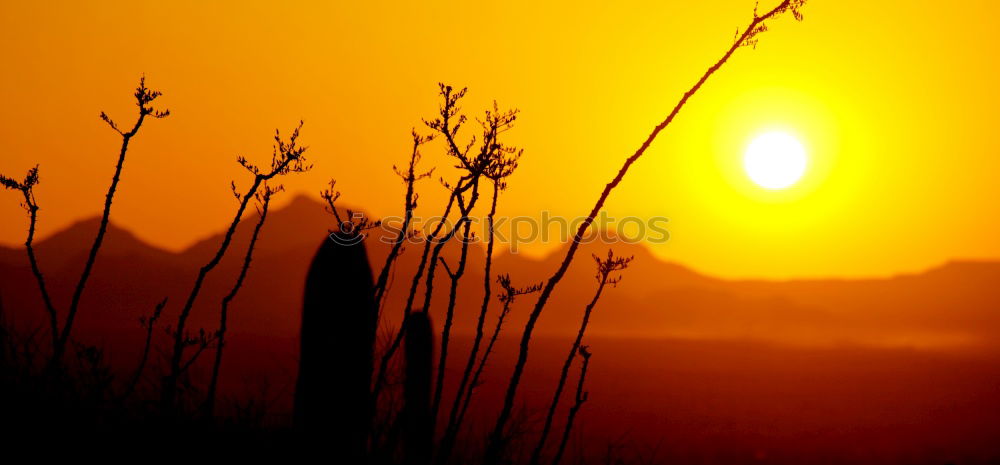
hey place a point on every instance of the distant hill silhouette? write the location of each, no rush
(953, 305)
(857, 371)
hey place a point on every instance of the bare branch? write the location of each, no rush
(144, 97)
(287, 157)
(148, 324)
(263, 201)
(410, 177)
(26, 188)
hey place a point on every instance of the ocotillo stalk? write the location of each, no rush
(333, 401)
(496, 444)
(581, 397)
(264, 202)
(144, 97)
(26, 187)
(288, 157)
(416, 415)
(604, 269)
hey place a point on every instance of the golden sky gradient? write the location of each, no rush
(895, 103)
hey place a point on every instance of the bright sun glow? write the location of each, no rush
(775, 160)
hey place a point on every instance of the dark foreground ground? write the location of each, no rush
(705, 402)
(651, 401)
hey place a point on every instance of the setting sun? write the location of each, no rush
(775, 160)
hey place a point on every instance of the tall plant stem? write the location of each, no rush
(451, 430)
(536, 454)
(496, 443)
(60, 347)
(220, 343)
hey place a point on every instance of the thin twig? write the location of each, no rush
(148, 324)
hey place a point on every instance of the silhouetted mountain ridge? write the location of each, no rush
(949, 305)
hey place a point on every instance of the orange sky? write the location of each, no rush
(895, 105)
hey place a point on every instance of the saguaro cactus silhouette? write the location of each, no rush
(333, 401)
(416, 415)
